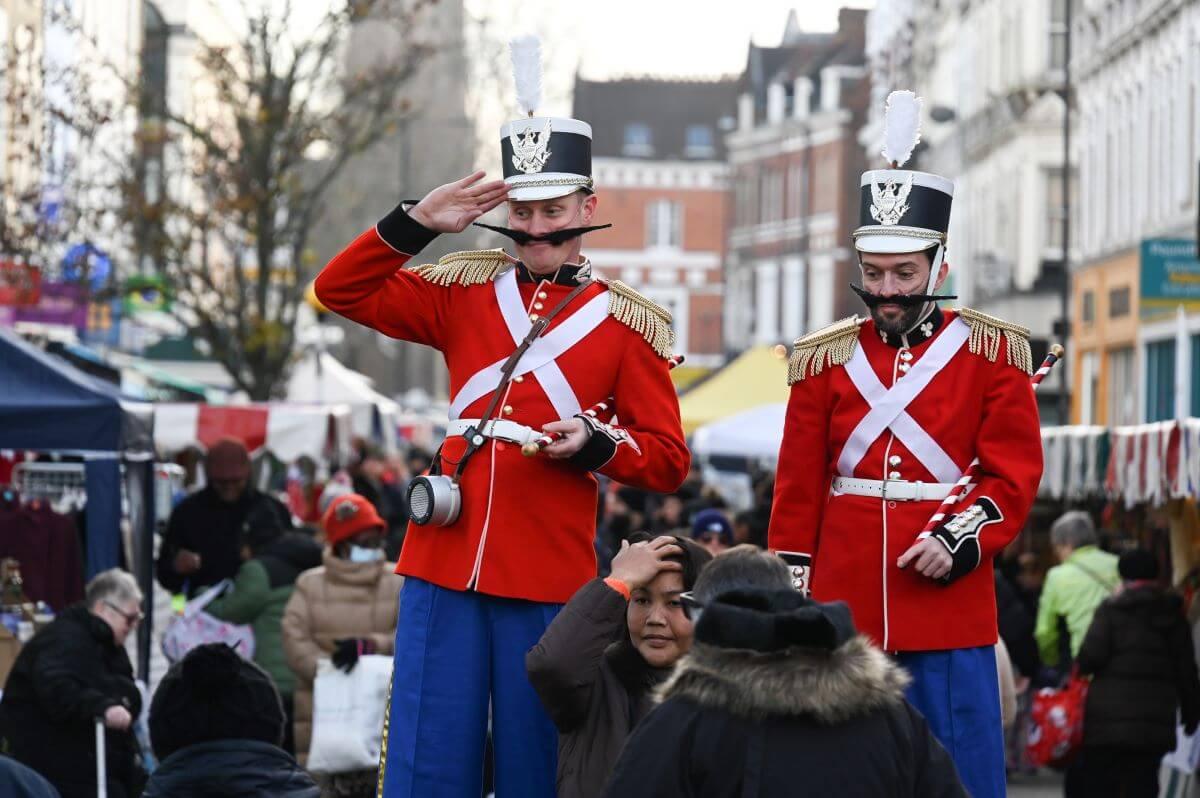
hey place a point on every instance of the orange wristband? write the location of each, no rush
(618, 585)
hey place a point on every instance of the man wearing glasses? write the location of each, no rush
(72, 673)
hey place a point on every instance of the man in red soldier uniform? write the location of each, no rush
(885, 415)
(483, 583)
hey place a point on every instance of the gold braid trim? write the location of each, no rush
(643, 315)
(833, 345)
(986, 332)
(383, 743)
(474, 267)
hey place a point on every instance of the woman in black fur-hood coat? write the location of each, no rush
(781, 697)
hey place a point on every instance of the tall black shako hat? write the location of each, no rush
(901, 210)
(543, 156)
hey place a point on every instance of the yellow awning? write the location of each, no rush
(756, 377)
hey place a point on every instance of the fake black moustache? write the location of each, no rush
(555, 238)
(903, 300)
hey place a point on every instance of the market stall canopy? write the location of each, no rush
(753, 433)
(373, 415)
(754, 378)
(48, 405)
(288, 431)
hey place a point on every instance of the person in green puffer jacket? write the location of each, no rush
(272, 559)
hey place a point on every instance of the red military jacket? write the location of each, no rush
(870, 406)
(527, 523)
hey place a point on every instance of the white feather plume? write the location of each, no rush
(527, 71)
(901, 127)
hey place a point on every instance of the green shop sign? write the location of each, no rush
(1170, 276)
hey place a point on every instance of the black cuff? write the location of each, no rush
(800, 566)
(400, 232)
(599, 449)
(960, 535)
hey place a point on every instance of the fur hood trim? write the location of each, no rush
(830, 687)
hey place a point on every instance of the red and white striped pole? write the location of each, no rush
(533, 447)
(964, 482)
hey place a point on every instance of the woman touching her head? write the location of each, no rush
(615, 640)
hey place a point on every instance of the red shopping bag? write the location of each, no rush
(1056, 723)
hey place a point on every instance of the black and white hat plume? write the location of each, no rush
(543, 157)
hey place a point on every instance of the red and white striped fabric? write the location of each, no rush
(286, 430)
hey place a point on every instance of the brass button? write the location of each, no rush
(906, 355)
(518, 378)
(508, 410)
(894, 475)
(541, 295)
(533, 317)
(904, 367)
(894, 460)
(537, 305)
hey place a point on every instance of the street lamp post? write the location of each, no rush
(1065, 295)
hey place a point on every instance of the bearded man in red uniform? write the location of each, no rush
(885, 414)
(507, 539)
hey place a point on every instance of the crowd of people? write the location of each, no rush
(687, 610)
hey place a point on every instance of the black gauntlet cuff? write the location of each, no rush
(960, 535)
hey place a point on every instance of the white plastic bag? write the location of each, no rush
(196, 627)
(347, 724)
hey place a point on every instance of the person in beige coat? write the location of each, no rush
(342, 609)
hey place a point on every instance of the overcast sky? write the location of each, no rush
(667, 38)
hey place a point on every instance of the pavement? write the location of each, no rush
(1043, 784)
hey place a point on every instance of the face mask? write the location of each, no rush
(360, 554)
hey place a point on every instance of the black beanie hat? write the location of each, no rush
(1137, 564)
(774, 620)
(214, 694)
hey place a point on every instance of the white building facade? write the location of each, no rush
(1137, 71)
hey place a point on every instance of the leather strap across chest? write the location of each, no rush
(540, 358)
(889, 406)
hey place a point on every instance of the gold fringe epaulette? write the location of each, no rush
(832, 345)
(986, 333)
(473, 267)
(643, 315)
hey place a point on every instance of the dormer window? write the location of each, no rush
(639, 141)
(699, 142)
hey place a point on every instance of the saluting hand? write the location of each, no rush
(450, 208)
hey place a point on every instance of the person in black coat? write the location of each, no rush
(1016, 624)
(72, 673)
(216, 724)
(203, 544)
(780, 696)
(1139, 653)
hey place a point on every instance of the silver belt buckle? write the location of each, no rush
(884, 495)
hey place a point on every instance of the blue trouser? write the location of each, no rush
(958, 692)
(455, 651)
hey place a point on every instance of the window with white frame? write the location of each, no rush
(1121, 387)
(797, 186)
(1052, 237)
(1058, 34)
(664, 224)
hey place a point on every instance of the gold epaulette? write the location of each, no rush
(986, 332)
(832, 345)
(642, 314)
(473, 267)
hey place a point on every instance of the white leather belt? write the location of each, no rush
(893, 490)
(498, 428)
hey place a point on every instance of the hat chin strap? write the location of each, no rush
(934, 267)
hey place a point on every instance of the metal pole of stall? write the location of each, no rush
(145, 569)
